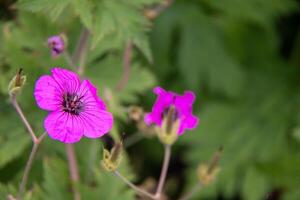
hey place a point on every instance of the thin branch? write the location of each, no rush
(134, 187)
(126, 67)
(190, 194)
(23, 118)
(73, 169)
(81, 51)
(164, 171)
(29, 165)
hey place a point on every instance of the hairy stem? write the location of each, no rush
(134, 187)
(23, 118)
(126, 67)
(73, 169)
(29, 165)
(190, 194)
(164, 171)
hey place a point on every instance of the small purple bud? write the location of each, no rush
(57, 45)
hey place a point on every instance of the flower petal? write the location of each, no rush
(64, 127)
(88, 85)
(67, 80)
(190, 122)
(47, 93)
(163, 101)
(96, 120)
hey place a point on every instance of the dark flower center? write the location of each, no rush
(72, 103)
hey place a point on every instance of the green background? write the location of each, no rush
(240, 57)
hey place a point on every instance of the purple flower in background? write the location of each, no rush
(183, 105)
(56, 44)
(75, 108)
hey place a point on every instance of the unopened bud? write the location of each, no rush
(16, 84)
(112, 159)
(208, 172)
(135, 113)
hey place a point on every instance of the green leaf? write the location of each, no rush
(13, 140)
(255, 185)
(109, 72)
(117, 18)
(56, 179)
(53, 8)
(84, 8)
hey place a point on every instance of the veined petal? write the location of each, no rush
(47, 93)
(87, 85)
(67, 80)
(64, 127)
(96, 120)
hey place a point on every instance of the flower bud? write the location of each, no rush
(168, 132)
(57, 44)
(137, 114)
(16, 84)
(208, 172)
(112, 159)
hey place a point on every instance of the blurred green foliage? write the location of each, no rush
(241, 58)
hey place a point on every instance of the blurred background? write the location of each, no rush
(240, 57)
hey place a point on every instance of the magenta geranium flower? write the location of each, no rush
(57, 45)
(183, 105)
(75, 108)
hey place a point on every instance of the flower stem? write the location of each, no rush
(29, 165)
(23, 118)
(81, 51)
(190, 194)
(134, 187)
(126, 67)
(73, 169)
(164, 171)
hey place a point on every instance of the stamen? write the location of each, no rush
(72, 103)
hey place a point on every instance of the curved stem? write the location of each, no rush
(134, 187)
(190, 194)
(23, 118)
(164, 171)
(29, 165)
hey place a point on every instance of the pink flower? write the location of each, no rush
(56, 44)
(75, 108)
(183, 105)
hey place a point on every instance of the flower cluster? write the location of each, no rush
(76, 110)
